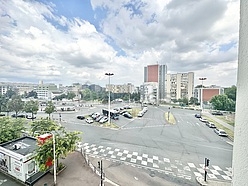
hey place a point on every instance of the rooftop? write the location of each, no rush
(22, 146)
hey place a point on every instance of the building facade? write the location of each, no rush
(179, 86)
(44, 91)
(205, 94)
(157, 73)
(125, 88)
(148, 93)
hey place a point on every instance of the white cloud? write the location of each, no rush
(38, 43)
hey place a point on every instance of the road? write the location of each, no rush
(150, 142)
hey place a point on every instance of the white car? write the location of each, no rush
(89, 120)
(211, 125)
(220, 132)
(203, 120)
(140, 114)
(104, 119)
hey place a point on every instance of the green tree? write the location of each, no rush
(31, 107)
(65, 142)
(10, 129)
(222, 102)
(86, 94)
(50, 108)
(193, 100)
(3, 103)
(231, 92)
(71, 95)
(10, 93)
(42, 126)
(31, 94)
(15, 104)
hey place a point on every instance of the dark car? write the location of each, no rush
(2, 114)
(218, 113)
(19, 116)
(115, 117)
(198, 115)
(80, 117)
(127, 115)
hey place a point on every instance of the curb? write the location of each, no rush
(201, 181)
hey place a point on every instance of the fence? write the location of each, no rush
(95, 169)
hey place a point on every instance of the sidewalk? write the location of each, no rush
(218, 120)
(201, 181)
(77, 173)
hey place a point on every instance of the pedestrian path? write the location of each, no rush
(176, 168)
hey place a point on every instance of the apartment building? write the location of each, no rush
(180, 85)
(157, 73)
(125, 88)
(44, 91)
(148, 93)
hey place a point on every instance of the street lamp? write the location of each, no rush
(109, 74)
(43, 138)
(202, 79)
(54, 157)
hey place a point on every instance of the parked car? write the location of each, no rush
(95, 115)
(104, 119)
(80, 117)
(115, 117)
(220, 132)
(198, 115)
(2, 114)
(140, 114)
(127, 115)
(89, 120)
(19, 115)
(30, 117)
(99, 118)
(210, 125)
(203, 120)
(217, 113)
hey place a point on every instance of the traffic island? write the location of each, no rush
(170, 118)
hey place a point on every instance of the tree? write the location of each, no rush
(222, 102)
(42, 126)
(65, 142)
(50, 108)
(71, 95)
(15, 104)
(3, 103)
(10, 129)
(31, 107)
(31, 94)
(193, 100)
(231, 92)
(86, 94)
(10, 93)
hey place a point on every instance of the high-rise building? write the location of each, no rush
(157, 73)
(180, 85)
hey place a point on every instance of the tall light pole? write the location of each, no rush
(43, 137)
(54, 158)
(109, 74)
(202, 79)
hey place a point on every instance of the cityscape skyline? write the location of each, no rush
(67, 42)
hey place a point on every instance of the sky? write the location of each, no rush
(78, 41)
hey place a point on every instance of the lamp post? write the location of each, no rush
(202, 79)
(54, 157)
(109, 74)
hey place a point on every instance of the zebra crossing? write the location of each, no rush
(161, 164)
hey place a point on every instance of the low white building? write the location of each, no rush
(17, 158)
